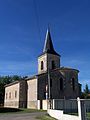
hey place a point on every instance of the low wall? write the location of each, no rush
(58, 114)
(69, 117)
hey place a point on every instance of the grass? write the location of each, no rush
(16, 110)
(88, 116)
(45, 117)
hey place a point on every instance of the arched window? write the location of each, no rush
(41, 65)
(10, 95)
(15, 94)
(73, 84)
(61, 83)
(53, 64)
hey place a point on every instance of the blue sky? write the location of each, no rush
(23, 25)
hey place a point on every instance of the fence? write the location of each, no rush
(77, 107)
(68, 106)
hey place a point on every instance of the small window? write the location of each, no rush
(73, 84)
(15, 94)
(53, 64)
(9, 95)
(61, 83)
(41, 65)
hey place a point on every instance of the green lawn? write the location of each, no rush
(88, 116)
(15, 110)
(45, 117)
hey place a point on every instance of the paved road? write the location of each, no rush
(21, 116)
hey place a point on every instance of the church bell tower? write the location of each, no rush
(49, 59)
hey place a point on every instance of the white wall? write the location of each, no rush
(12, 101)
(58, 114)
(32, 93)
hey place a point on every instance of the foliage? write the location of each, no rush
(86, 93)
(86, 90)
(6, 80)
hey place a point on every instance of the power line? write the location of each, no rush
(37, 18)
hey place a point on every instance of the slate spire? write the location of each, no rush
(48, 46)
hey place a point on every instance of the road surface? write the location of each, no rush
(21, 116)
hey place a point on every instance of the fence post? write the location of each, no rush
(79, 108)
(38, 104)
(53, 104)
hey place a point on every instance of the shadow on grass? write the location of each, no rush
(45, 117)
(5, 110)
(19, 110)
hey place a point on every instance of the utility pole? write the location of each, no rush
(48, 83)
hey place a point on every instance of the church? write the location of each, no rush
(51, 82)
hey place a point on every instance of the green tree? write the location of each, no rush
(86, 90)
(86, 93)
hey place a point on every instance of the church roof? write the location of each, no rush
(48, 46)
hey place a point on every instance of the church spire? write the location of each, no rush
(48, 46)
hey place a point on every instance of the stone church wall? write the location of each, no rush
(32, 93)
(12, 100)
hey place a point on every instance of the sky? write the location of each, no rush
(23, 25)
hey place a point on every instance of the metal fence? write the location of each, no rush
(87, 108)
(68, 106)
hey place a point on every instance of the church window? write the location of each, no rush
(73, 84)
(41, 65)
(9, 95)
(53, 64)
(61, 83)
(15, 94)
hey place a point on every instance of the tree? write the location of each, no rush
(86, 93)
(86, 90)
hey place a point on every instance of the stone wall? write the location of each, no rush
(55, 58)
(32, 93)
(47, 61)
(56, 93)
(12, 100)
(23, 94)
(44, 59)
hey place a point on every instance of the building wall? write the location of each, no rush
(55, 92)
(54, 58)
(12, 100)
(44, 59)
(23, 94)
(42, 81)
(32, 93)
(67, 91)
(47, 61)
